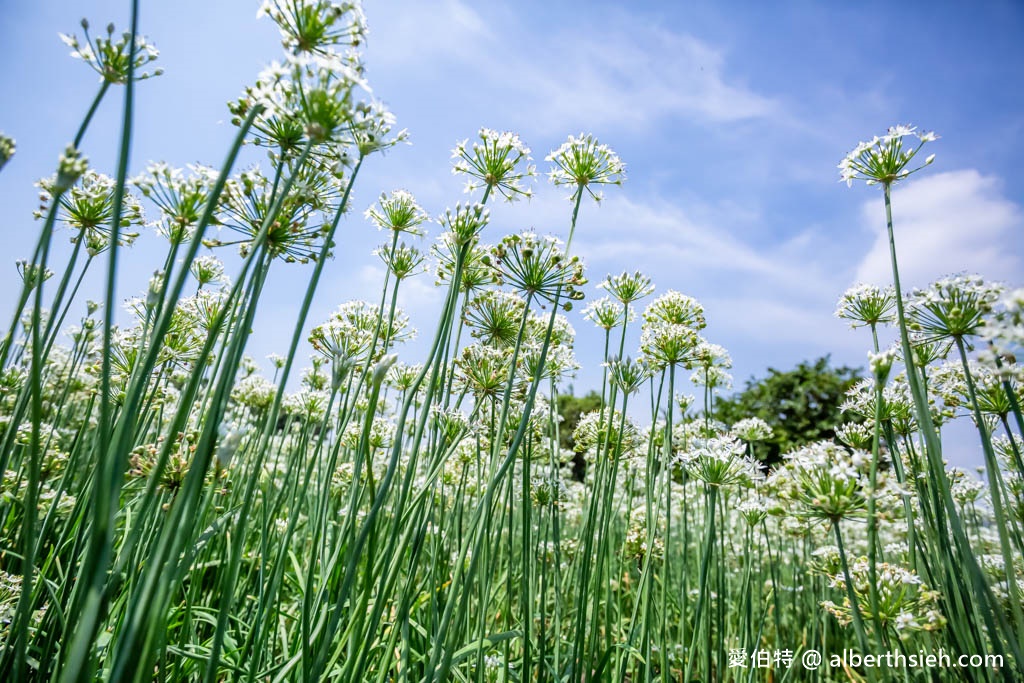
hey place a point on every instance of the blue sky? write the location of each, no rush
(731, 118)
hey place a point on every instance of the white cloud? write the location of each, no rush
(773, 302)
(620, 72)
(776, 321)
(411, 33)
(688, 243)
(945, 223)
(635, 73)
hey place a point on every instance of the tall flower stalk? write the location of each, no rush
(887, 160)
(392, 514)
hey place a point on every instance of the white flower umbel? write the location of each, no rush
(604, 312)
(952, 307)
(752, 429)
(719, 462)
(886, 159)
(88, 209)
(1005, 328)
(905, 604)
(627, 287)
(180, 198)
(110, 57)
(7, 148)
(498, 162)
(398, 212)
(582, 163)
(677, 309)
(866, 304)
(317, 26)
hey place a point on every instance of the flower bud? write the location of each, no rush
(7, 148)
(70, 167)
(231, 439)
(155, 285)
(382, 367)
(339, 371)
(881, 364)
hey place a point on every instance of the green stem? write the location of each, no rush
(699, 622)
(858, 621)
(78, 666)
(996, 493)
(92, 110)
(92, 574)
(873, 516)
(960, 553)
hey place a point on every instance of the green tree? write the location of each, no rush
(572, 408)
(801, 405)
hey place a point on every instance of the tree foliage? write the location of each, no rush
(801, 405)
(571, 409)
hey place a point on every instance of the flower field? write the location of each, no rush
(171, 512)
